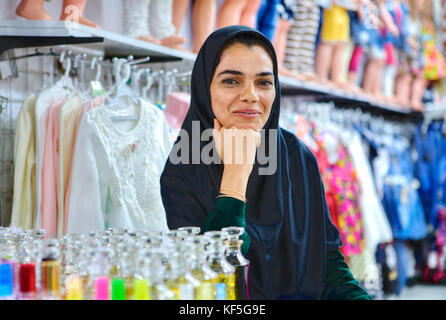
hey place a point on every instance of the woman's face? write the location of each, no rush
(243, 89)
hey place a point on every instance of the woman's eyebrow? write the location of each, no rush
(233, 72)
(238, 73)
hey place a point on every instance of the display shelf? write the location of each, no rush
(341, 98)
(58, 32)
(27, 33)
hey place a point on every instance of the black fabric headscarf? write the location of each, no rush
(287, 217)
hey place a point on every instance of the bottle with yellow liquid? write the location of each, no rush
(201, 270)
(235, 257)
(158, 289)
(180, 279)
(218, 263)
(50, 271)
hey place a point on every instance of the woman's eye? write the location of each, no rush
(265, 83)
(229, 81)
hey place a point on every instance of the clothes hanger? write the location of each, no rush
(96, 88)
(149, 83)
(66, 82)
(120, 91)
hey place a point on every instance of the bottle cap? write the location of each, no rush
(27, 277)
(6, 282)
(118, 289)
(140, 289)
(102, 285)
(73, 285)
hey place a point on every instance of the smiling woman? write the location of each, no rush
(242, 89)
(289, 238)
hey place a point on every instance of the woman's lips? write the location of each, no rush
(247, 114)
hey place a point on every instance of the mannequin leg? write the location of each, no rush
(204, 17)
(336, 65)
(402, 89)
(249, 13)
(161, 25)
(368, 78)
(80, 5)
(33, 10)
(323, 62)
(418, 87)
(279, 42)
(377, 80)
(179, 10)
(230, 12)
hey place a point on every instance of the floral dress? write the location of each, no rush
(342, 191)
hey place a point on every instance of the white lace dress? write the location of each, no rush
(116, 174)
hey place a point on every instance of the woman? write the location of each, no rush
(291, 243)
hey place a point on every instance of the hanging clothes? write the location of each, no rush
(343, 183)
(68, 116)
(48, 205)
(116, 173)
(376, 225)
(45, 99)
(70, 153)
(24, 197)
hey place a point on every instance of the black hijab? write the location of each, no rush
(287, 217)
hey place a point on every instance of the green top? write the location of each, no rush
(339, 282)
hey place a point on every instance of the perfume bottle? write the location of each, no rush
(50, 271)
(201, 270)
(73, 287)
(179, 279)
(99, 268)
(6, 268)
(235, 257)
(218, 263)
(158, 289)
(26, 273)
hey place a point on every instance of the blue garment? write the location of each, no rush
(441, 167)
(267, 17)
(427, 167)
(284, 10)
(402, 263)
(401, 201)
(363, 33)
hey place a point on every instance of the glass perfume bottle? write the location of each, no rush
(201, 270)
(26, 273)
(158, 289)
(180, 280)
(98, 270)
(218, 263)
(235, 257)
(50, 271)
(6, 268)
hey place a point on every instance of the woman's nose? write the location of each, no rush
(249, 94)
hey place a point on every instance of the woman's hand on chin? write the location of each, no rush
(237, 149)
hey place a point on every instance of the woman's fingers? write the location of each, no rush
(234, 145)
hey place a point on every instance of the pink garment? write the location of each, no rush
(48, 204)
(390, 53)
(87, 107)
(355, 59)
(176, 108)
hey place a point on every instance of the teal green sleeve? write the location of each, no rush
(339, 282)
(228, 212)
